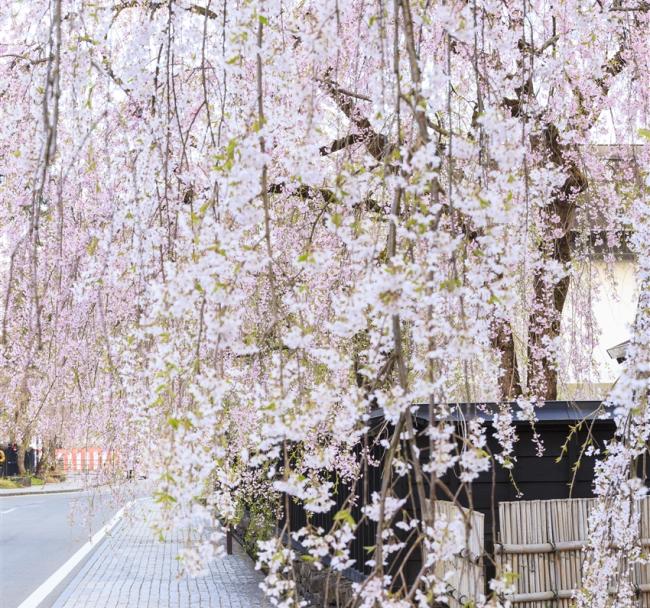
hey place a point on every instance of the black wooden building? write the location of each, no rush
(563, 470)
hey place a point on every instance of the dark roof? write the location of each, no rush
(550, 412)
(619, 352)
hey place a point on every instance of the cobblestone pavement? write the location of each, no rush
(132, 569)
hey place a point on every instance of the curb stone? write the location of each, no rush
(52, 491)
(40, 492)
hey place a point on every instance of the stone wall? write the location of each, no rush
(322, 588)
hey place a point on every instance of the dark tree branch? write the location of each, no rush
(341, 143)
(154, 5)
(304, 192)
(201, 10)
(612, 68)
(377, 144)
(311, 193)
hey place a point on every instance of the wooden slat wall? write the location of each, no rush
(468, 580)
(557, 573)
(642, 572)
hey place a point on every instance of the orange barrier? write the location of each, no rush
(72, 460)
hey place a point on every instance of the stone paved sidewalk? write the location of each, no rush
(132, 569)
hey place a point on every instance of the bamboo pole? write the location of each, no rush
(562, 594)
(529, 548)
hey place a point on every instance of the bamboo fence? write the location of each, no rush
(542, 542)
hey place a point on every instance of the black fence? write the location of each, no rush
(350, 497)
(9, 468)
(562, 471)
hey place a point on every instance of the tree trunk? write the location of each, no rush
(510, 382)
(44, 462)
(41, 465)
(20, 459)
(542, 369)
(47, 459)
(22, 424)
(545, 320)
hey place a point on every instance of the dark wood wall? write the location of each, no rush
(563, 470)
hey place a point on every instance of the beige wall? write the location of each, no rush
(611, 292)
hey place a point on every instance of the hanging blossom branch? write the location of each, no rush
(51, 95)
(282, 226)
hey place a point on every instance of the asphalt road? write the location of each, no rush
(38, 534)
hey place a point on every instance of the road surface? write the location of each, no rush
(38, 534)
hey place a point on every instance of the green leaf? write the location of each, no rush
(92, 246)
(344, 515)
(644, 133)
(450, 284)
(163, 497)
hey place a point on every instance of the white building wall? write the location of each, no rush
(610, 292)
